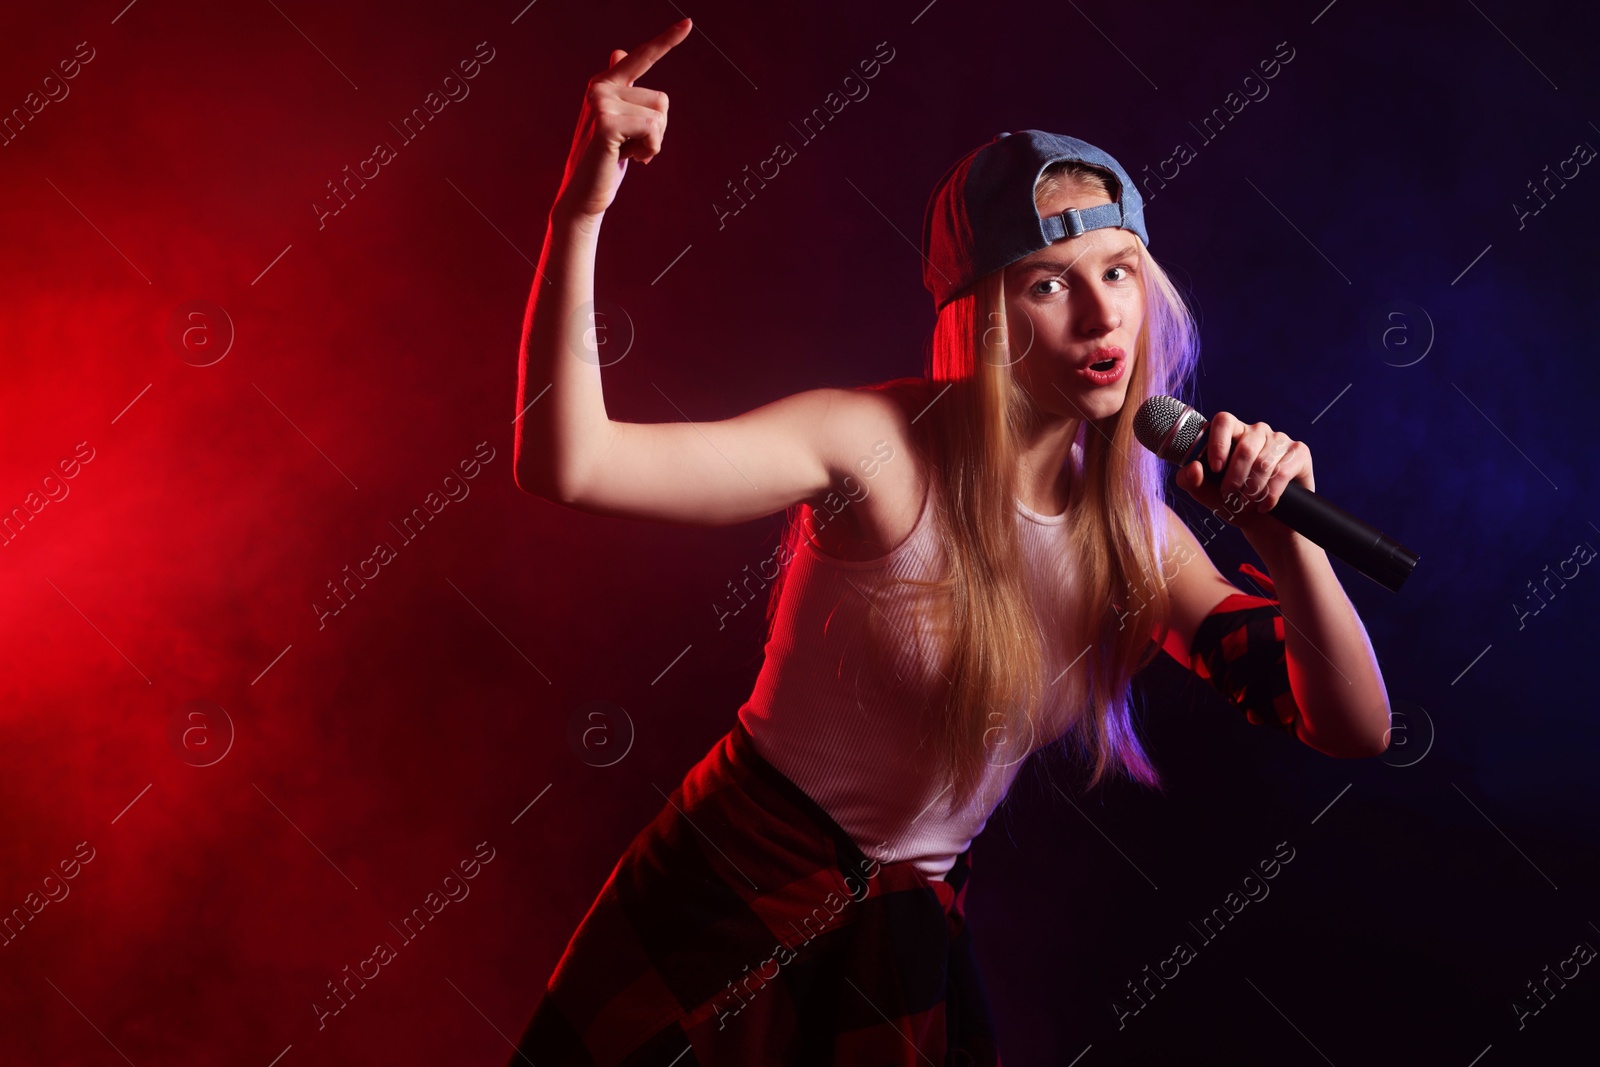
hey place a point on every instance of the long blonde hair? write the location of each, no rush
(973, 416)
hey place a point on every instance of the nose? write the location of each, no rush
(1096, 313)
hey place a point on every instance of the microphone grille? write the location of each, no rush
(1156, 418)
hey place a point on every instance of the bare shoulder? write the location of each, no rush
(878, 485)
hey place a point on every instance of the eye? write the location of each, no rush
(1126, 270)
(1045, 281)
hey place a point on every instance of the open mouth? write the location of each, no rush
(1105, 371)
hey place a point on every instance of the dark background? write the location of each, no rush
(1371, 190)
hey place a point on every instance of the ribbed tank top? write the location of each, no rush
(847, 714)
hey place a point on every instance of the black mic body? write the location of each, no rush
(1178, 433)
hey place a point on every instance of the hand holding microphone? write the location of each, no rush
(1264, 479)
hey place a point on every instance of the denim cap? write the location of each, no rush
(981, 216)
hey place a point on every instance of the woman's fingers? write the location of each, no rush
(1262, 462)
(1293, 466)
(633, 66)
(1247, 449)
(638, 94)
(1220, 439)
(1257, 464)
(638, 130)
(619, 121)
(648, 120)
(1269, 447)
(1232, 448)
(639, 123)
(1295, 461)
(623, 114)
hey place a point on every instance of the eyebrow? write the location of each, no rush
(1058, 266)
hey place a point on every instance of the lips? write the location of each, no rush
(1105, 366)
(1104, 359)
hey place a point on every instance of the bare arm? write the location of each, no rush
(1194, 585)
(568, 449)
(562, 412)
(1337, 685)
(561, 424)
(1340, 712)
(743, 468)
(1344, 708)
(699, 473)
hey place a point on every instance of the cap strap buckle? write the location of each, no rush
(1072, 222)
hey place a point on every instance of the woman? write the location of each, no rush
(1009, 567)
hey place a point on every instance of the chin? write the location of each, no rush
(1100, 404)
(1070, 399)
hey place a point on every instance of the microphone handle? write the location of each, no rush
(1367, 549)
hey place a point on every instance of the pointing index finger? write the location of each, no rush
(644, 57)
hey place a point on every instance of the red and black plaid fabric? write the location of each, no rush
(1239, 648)
(744, 927)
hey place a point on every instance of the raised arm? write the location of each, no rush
(561, 425)
(1298, 657)
(568, 449)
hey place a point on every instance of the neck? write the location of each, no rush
(1043, 475)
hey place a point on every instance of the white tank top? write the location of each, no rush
(850, 720)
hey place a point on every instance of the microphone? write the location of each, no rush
(1177, 433)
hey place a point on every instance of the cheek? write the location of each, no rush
(1135, 314)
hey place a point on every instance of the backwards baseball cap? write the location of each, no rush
(981, 216)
